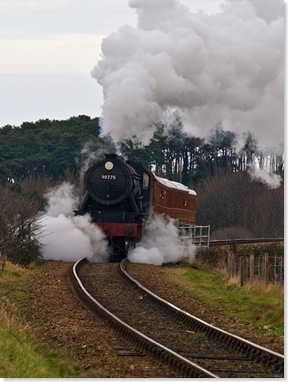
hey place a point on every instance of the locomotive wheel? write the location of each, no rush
(121, 246)
(126, 245)
(119, 251)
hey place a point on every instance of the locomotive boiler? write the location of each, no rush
(121, 195)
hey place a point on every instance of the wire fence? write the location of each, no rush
(248, 266)
(265, 267)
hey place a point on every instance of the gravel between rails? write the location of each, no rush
(60, 321)
(131, 305)
(153, 277)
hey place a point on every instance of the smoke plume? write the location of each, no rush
(270, 179)
(66, 237)
(160, 244)
(92, 152)
(226, 67)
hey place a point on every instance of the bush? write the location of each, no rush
(237, 232)
(18, 226)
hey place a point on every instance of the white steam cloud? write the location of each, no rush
(270, 179)
(226, 67)
(66, 237)
(160, 244)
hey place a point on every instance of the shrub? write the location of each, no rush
(18, 225)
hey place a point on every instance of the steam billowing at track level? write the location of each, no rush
(68, 238)
(226, 67)
(124, 199)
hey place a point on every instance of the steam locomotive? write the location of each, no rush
(121, 195)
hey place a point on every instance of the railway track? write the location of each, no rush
(188, 344)
(245, 241)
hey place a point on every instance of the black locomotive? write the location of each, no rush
(120, 195)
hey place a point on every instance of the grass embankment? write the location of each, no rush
(257, 303)
(20, 357)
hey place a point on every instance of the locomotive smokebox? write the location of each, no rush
(111, 181)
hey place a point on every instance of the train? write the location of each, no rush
(121, 195)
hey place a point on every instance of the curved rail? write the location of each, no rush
(185, 366)
(257, 352)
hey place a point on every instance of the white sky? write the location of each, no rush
(48, 48)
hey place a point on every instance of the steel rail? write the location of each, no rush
(186, 367)
(245, 241)
(260, 353)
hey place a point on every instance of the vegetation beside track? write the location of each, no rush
(20, 357)
(256, 303)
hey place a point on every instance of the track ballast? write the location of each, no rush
(194, 348)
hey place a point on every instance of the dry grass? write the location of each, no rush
(260, 286)
(258, 303)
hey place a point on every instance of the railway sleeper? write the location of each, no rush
(168, 358)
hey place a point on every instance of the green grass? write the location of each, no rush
(256, 303)
(20, 357)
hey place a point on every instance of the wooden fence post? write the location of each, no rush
(229, 264)
(252, 266)
(233, 269)
(236, 264)
(3, 259)
(241, 270)
(266, 268)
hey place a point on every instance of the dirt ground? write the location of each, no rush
(60, 321)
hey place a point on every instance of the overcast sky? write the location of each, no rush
(48, 49)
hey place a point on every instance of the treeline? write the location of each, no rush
(190, 160)
(52, 148)
(45, 148)
(38, 155)
(238, 207)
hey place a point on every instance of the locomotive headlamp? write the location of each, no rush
(129, 230)
(109, 165)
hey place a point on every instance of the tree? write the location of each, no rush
(234, 200)
(18, 225)
(248, 152)
(44, 147)
(222, 150)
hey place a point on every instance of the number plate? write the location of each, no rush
(107, 177)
